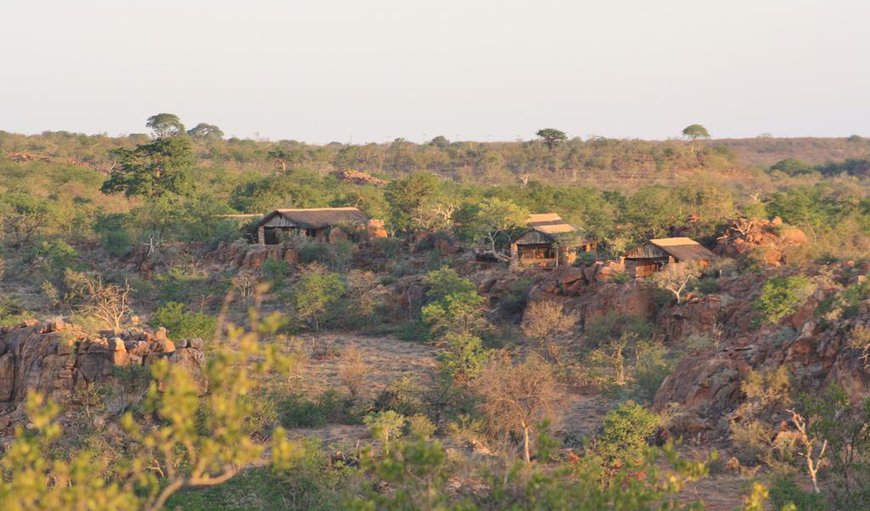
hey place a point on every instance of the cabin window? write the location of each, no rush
(537, 252)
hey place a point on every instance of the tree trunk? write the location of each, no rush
(526, 456)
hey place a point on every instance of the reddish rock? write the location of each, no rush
(55, 361)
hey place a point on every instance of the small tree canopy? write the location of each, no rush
(165, 125)
(695, 131)
(552, 136)
(204, 131)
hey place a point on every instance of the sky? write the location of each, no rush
(374, 70)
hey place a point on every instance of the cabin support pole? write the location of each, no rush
(261, 235)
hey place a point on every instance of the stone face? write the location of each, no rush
(55, 358)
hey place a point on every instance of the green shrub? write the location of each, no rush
(414, 330)
(624, 433)
(784, 491)
(314, 252)
(296, 411)
(112, 230)
(275, 271)
(621, 277)
(708, 286)
(182, 324)
(781, 296)
(12, 311)
(387, 247)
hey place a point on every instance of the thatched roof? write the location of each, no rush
(316, 218)
(549, 223)
(681, 249)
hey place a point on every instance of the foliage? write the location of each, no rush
(24, 215)
(353, 370)
(112, 230)
(780, 296)
(109, 302)
(491, 219)
(165, 125)
(458, 313)
(462, 355)
(182, 324)
(385, 426)
(295, 411)
(845, 426)
(695, 131)
(624, 434)
(516, 398)
(152, 169)
(165, 458)
(784, 492)
(551, 137)
(676, 277)
(406, 196)
(315, 293)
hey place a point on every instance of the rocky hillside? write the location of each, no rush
(61, 361)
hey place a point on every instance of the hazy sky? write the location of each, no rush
(374, 70)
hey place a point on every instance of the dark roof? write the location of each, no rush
(318, 218)
(681, 249)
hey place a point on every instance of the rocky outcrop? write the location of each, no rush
(57, 359)
(591, 293)
(706, 386)
(768, 240)
(358, 177)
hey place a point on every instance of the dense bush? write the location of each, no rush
(295, 411)
(780, 296)
(182, 324)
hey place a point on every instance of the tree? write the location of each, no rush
(515, 398)
(23, 215)
(384, 426)
(204, 131)
(494, 217)
(152, 169)
(315, 293)
(544, 321)
(624, 434)
(353, 370)
(552, 137)
(462, 356)
(458, 313)
(675, 277)
(406, 195)
(192, 442)
(106, 301)
(165, 125)
(695, 131)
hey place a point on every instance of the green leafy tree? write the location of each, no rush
(405, 196)
(780, 296)
(624, 435)
(459, 313)
(385, 426)
(152, 169)
(195, 442)
(182, 324)
(24, 215)
(844, 426)
(695, 132)
(462, 356)
(315, 293)
(493, 218)
(204, 131)
(165, 125)
(552, 137)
